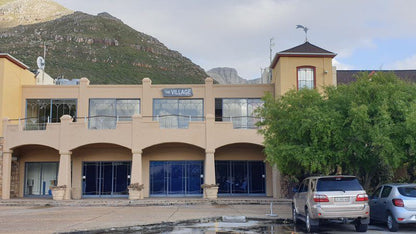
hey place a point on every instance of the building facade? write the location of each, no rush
(169, 140)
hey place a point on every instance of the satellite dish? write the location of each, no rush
(41, 63)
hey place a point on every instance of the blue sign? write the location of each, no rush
(177, 92)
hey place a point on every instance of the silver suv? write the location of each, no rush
(322, 198)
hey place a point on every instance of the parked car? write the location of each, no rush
(322, 198)
(394, 204)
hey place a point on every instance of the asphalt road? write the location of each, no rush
(349, 228)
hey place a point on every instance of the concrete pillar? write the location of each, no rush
(136, 167)
(6, 174)
(64, 174)
(209, 167)
(276, 178)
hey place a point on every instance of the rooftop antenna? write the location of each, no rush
(305, 29)
(271, 45)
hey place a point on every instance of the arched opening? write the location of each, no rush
(173, 169)
(34, 171)
(100, 170)
(240, 170)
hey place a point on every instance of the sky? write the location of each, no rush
(365, 34)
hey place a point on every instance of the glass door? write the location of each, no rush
(105, 178)
(176, 178)
(39, 178)
(240, 178)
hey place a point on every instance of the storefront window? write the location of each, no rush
(240, 111)
(104, 113)
(177, 113)
(42, 111)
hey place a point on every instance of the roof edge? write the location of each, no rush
(14, 60)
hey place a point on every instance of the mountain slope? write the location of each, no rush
(100, 48)
(23, 12)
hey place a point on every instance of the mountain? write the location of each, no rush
(227, 75)
(101, 48)
(23, 12)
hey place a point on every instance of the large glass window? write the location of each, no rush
(306, 77)
(42, 111)
(240, 111)
(177, 113)
(39, 178)
(104, 113)
(240, 177)
(176, 178)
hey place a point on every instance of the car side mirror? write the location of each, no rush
(295, 189)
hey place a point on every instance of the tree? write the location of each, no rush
(362, 128)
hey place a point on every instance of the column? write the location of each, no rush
(277, 189)
(64, 174)
(136, 167)
(209, 167)
(136, 182)
(7, 173)
(210, 188)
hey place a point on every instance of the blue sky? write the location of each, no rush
(370, 34)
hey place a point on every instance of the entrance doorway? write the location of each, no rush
(240, 178)
(176, 178)
(39, 177)
(105, 178)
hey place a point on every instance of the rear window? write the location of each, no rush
(338, 184)
(407, 191)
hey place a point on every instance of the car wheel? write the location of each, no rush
(311, 226)
(360, 227)
(392, 224)
(294, 214)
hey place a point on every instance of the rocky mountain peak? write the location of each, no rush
(228, 75)
(24, 12)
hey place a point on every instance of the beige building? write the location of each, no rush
(162, 140)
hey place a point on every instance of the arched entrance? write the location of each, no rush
(173, 169)
(34, 171)
(101, 170)
(240, 170)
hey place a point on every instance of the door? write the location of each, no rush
(106, 178)
(39, 177)
(240, 178)
(375, 205)
(176, 178)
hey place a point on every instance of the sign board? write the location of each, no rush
(177, 92)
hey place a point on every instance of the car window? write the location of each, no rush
(377, 193)
(300, 189)
(408, 191)
(306, 187)
(338, 184)
(386, 191)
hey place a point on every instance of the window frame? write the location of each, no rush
(297, 75)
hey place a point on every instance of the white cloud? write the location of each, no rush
(341, 66)
(407, 63)
(220, 33)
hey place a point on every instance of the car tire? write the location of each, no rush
(294, 214)
(360, 227)
(392, 224)
(310, 223)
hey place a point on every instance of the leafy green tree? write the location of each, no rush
(366, 128)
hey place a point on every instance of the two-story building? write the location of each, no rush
(171, 140)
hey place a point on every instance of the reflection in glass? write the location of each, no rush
(39, 178)
(241, 111)
(104, 113)
(176, 178)
(240, 177)
(177, 113)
